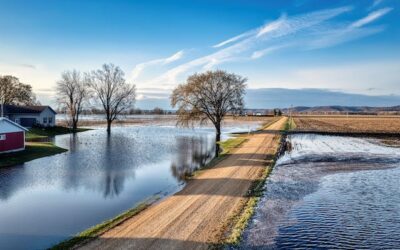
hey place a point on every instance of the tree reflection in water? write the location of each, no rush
(192, 154)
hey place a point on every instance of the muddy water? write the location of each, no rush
(47, 200)
(330, 193)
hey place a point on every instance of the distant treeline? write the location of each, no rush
(133, 111)
(160, 111)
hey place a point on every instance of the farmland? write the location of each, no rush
(348, 124)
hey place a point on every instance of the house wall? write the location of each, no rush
(14, 141)
(47, 113)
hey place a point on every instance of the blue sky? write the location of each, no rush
(350, 47)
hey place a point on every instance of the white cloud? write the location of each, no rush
(260, 53)
(376, 3)
(234, 39)
(335, 35)
(273, 26)
(370, 17)
(246, 45)
(162, 61)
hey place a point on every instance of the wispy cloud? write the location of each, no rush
(376, 3)
(355, 30)
(260, 53)
(27, 65)
(234, 39)
(370, 17)
(313, 30)
(162, 61)
(246, 45)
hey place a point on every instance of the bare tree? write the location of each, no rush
(209, 96)
(113, 92)
(72, 93)
(12, 91)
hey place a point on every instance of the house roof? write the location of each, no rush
(5, 120)
(12, 109)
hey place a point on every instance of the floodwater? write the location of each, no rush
(330, 192)
(47, 200)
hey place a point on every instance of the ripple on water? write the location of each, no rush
(329, 205)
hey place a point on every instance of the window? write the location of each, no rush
(50, 120)
(44, 119)
(2, 137)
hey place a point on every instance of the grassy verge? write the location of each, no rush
(32, 151)
(290, 124)
(99, 229)
(230, 144)
(240, 220)
(39, 133)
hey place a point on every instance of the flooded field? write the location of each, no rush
(47, 200)
(330, 192)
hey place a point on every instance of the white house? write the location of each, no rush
(29, 116)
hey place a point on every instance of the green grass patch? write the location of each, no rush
(33, 150)
(290, 124)
(230, 144)
(39, 133)
(101, 228)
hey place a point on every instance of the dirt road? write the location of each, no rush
(196, 217)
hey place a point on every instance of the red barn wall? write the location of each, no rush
(13, 141)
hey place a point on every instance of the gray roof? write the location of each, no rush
(3, 119)
(12, 109)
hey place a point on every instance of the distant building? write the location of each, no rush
(29, 116)
(12, 136)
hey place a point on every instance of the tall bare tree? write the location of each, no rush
(72, 93)
(12, 91)
(209, 96)
(113, 92)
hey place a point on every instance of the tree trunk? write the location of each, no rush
(109, 126)
(217, 140)
(74, 126)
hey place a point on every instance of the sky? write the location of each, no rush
(293, 52)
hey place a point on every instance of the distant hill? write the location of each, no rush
(334, 109)
(343, 109)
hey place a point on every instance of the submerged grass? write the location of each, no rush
(33, 150)
(40, 133)
(101, 228)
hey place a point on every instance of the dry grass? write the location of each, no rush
(351, 124)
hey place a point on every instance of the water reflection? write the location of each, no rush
(100, 176)
(192, 154)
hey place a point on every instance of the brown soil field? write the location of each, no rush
(197, 217)
(350, 124)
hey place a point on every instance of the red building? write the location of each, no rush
(12, 136)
